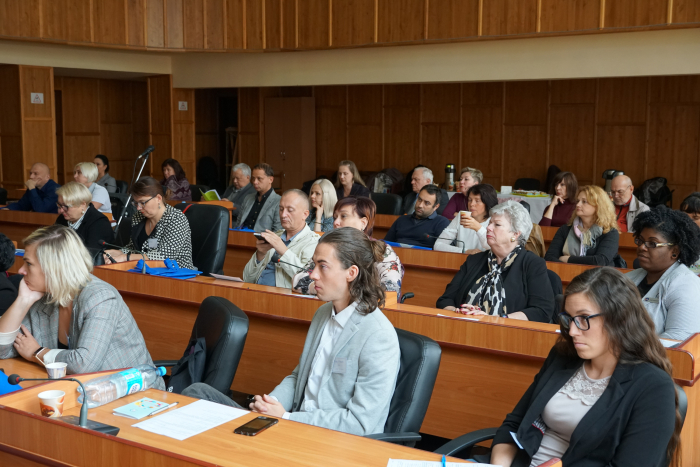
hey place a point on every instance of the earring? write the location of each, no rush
(673, 256)
(512, 239)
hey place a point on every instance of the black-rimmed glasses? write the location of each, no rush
(63, 207)
(141, 204)
(650, 245)
(581, 322)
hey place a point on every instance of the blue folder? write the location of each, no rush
(171, 270)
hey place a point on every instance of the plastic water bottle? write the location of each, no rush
(101, 391)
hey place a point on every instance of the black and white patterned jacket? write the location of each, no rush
(172, 235)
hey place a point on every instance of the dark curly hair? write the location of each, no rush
(691, 204)
(676, 227)
(7, 253)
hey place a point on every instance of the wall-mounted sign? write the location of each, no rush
(182, 105)
(37, 97)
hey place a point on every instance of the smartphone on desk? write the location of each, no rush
(255, 426)
(259, 236)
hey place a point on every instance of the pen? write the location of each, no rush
(164, 408)
(443, 461)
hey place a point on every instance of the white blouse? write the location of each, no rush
(464, 239)
(100, 195)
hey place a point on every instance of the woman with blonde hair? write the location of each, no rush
(77, 212)
(468, 178)
(86, 173)
(591, 236)
(65, 314)
(322, 198)
(349, 181)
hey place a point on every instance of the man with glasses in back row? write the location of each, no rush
(627, 206)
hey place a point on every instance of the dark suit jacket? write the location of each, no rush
(526, 283)
(410, 199)
(95, 227)
(630, 425)
(8, 293)
(356, 190)
(602, 254)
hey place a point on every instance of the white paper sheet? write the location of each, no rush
(459, 317)
(410, 463)
(191, 420)
(226, 278)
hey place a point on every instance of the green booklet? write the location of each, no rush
(210, 195)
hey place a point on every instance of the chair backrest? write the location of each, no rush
(420, 360)
(209, 227)
(387, 203)
(526, 184)
(3, 196)
(526, 205)
(197, 191)
(122, 187)
(225, 328)
(682, 402)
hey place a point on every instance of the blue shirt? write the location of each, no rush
(268, 275)
(413, 231)
(42, 199)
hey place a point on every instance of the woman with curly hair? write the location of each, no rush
(691, 207)
(591, 236)
(667, 243)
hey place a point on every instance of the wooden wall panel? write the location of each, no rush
(482, 129)
(570, 15)
(453, 18)
(249, 125)
(40, 80)
(155, 23)
(508, 17)
(206, 123)
(273, 24)
(184, 130)
(313, 23)
(402, 126)
(109, 20)
(67, 20)
(215, 27)
(160, 95)
(289, 24)
(235, 24)
(352, 22)
(331, 126)
(365, 128)
(174, 24)
(193, 17)
(622, 147)
(10, 127)
(686, 11)
(20, 18)
(440, 118)
(254, 24)
(401, 20)
(622, 101)
(136, 22)
(38, 120)
(630, 13)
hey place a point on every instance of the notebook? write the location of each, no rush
(139, 409)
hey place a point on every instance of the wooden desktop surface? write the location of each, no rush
(25, 434)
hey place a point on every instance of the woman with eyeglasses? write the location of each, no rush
(605, 395)
(76, 211)
(158, 230)
(668, 242)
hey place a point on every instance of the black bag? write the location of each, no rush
(654, 192)
(190, 368)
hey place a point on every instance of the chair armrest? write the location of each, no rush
(406, 296)
(396, 438)
(466, 441)
(165, 362)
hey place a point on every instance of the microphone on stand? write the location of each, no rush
(290, 264)
(72, 419)
(443, 238)
(145, 153)
(103, 243)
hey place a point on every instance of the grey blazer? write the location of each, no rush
(269, 215)
(103, 333)
(237, 198)
(356, 401)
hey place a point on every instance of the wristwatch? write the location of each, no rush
(39, 350)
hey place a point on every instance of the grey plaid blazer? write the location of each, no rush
(103, 334)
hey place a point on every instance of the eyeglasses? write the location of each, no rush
(650, 245)
(618, 192)
(141, 204)
(581, 322)
(63, 207)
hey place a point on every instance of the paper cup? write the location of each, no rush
(51, 403)
(465, 214)
(56, 370)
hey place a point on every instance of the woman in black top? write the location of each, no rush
(350, 182)
(76, 211)
(507, 280)
(591, 236)
(8, 291)
(605, 395)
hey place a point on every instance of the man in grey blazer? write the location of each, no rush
(260, 209)
(240, 189)
(347, 372)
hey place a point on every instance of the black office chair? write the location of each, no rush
(420, 360)
(464, 443)
(225, 328)
(209, 227)
(3, 196)
(526, 184)
(122, 187)
(118, 201)
(197, 191)
(558, 289)
(387, 203)
(526, 205)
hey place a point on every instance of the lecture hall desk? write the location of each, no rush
(28, 439)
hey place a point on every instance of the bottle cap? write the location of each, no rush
(161, 371)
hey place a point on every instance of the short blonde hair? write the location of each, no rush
(329, 196)
(475, 173)
(65, 261)
(89, 169)
(604, 207)
(74, 193)
(518, 217)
